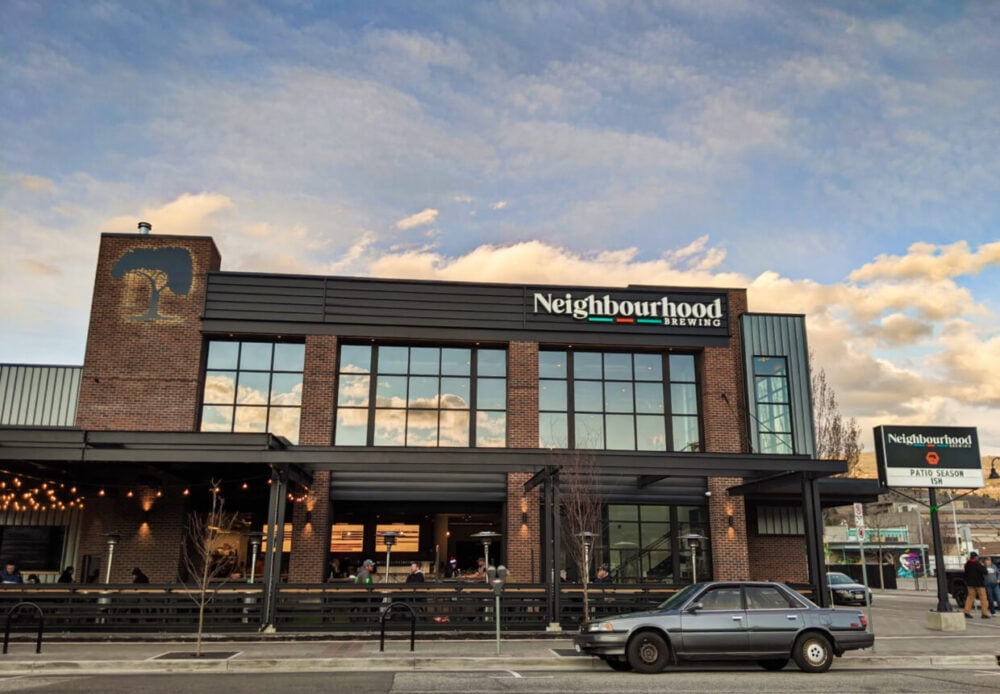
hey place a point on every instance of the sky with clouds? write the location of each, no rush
(839, 159)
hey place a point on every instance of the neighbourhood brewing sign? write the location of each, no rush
(928, 457)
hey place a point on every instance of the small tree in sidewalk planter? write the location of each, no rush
(206, 570)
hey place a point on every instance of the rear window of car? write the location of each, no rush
(722, 599)
(768, 598)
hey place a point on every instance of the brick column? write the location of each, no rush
(724, 407)
(522, 539)
(142, 367)
(311, 541)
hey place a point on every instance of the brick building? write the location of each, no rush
(328, 411)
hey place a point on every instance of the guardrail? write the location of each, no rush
(330, 607)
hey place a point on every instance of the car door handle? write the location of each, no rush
(792, 617)
(737, 617)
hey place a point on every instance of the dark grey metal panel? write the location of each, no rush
(618, 489)
(44, 396)
(782, 336)
(417, 486)
(246, 303)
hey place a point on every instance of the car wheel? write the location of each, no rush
(618, 664)
(648, 652)
(773, 663)
(813, 653)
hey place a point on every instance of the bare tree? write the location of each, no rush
(836, 439)
(205, 567)
(581, 513)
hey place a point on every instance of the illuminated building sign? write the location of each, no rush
(928, 457)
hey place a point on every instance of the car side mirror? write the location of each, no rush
(695, 606)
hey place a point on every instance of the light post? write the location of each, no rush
(255, 539)
(693, 542)
(486, 537)
(113, 539)
(389, 537)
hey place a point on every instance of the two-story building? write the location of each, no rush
(329, 410)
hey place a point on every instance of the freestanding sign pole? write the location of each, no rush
(942, 581)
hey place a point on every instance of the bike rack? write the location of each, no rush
(385, 614)
(18, 608)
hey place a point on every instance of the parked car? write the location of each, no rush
(845, 590)
(765, 622)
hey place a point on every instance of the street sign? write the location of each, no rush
(861, 533)
(859, 514)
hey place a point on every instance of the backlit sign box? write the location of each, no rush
(928, 457)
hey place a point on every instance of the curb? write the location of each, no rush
(417, 663)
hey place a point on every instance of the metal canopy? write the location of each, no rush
(787, 488)
(200, 449)
(102, 456)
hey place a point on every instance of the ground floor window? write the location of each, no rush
(649, 542)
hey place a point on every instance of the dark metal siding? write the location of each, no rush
(417, 486)
(781, 336)
(407, 309)
(42, 396)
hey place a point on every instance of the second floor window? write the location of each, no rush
(773, 404)
(253, 386)
(618, 401)
(391, 395)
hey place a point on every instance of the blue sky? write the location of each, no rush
(839, 159)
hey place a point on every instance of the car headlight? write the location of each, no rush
(842, 591)
(600, 626)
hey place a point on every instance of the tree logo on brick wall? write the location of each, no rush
(163, 268)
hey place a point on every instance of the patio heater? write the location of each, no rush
(587, 538)
(113, 540)
(255, 539)
(486, 537)
(389, 538)
(630, 549)
(693, 542)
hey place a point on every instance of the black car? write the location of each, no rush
(759, 621)
(845, 590)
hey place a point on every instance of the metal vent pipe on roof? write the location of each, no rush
(145, 227)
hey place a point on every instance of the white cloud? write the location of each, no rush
(499, 205)
(188, 215)
(420, 219)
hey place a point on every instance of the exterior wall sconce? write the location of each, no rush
(994, 475)
(524, 514)
(729, 519)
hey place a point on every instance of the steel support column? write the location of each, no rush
(275, 541)
(812, 512)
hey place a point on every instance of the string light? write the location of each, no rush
(37, 494)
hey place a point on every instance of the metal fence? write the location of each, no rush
(234, 608)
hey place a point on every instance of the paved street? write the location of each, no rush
(710, 679)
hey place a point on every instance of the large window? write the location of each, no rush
(253, 386)
(648, 542)
(774, 411)
(618, 401)
(421, 396)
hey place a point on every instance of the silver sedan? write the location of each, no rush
(760, 621)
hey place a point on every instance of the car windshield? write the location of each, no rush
(675, 601)
(838, 579)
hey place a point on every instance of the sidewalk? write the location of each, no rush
(898, 617)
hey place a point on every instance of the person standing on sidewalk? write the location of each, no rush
(975, 581)
(992, 585)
